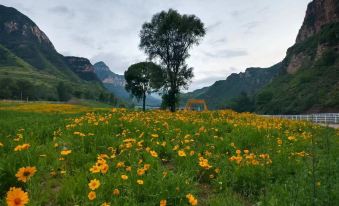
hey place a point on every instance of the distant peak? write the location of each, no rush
(100, 64)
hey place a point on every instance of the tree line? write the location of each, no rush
(25, 90)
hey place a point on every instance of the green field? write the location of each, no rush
(162, 158)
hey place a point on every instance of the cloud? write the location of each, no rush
(206, 81)
(235, 13)
(233, 69)
(213, 26)
(218, 41)
(250, 26)
(227, 53)
(61, 10)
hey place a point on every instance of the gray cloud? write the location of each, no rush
(218, 41)
(227, 53)
(208, 81)
(235, 13)
(250, 26)
(213, 26)
(60, 10)
(233, 69)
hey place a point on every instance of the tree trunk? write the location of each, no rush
(172, 101)
(173, 108)
(144, 102)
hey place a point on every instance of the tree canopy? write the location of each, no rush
(143, 78)
(168, 38)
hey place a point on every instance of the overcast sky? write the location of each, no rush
(240, 33)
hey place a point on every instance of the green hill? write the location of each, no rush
(221, 93)
(31, 68)
(313, 86)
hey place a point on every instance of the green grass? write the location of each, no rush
(289, 179)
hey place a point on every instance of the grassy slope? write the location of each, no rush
(13, 67)
(315, 87)
(221, 93)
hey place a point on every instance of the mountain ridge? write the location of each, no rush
(308, 77)
(31, 66)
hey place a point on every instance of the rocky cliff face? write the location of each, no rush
(312, 82)
(82, 67)
(107, 76)
(23, 37)
(318, 14)
(309, 47)
(15, 26)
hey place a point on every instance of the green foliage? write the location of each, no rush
(64, 92)
(242, 103)
(143, 78)
(168, 38)
(108, 98)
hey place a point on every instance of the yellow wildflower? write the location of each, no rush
(65, 152)
(181, 153)
(140, 182)
(124, 177)
(25, 173)
(92, 195)
(141, 171)
(153, 153)
(163, 202)
(94, 184)
(16, 197)
(22, 147)
(191, 199)
(116, 192)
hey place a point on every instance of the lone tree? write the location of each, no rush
(168, 38)
(143, 78)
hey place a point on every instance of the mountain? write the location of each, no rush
(184, 97)
(311, 79)
(31, 68)
(82, 67)
(112, 81)
(306, 80)
(116, 84)
(221, 93)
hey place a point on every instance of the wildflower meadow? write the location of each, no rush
(58, 154)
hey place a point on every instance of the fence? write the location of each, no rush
(324, 118)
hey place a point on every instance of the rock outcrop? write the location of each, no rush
(107, 76)
(318, 14)
(82, 67)
(313, 42)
